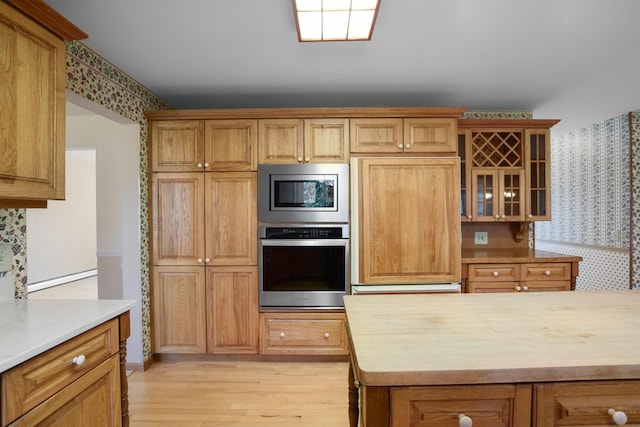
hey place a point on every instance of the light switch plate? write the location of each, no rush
(6, 257)
(481, 238)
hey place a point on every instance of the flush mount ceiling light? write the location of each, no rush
(335, 20)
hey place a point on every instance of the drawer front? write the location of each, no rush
(492, 287)
(545, 272)
(485, 405)
(37, 379)
(494, 272)
(298, 334)
(545, 286)
(586, 403)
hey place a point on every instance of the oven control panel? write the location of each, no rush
(338, 232)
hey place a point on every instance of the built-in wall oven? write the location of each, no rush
(303, 257)
(303, 266)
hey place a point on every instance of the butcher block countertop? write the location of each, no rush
(438, 339)
(517, 255)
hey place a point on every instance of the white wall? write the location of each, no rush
(62, 238)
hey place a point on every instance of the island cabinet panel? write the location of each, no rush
(519, 277)
(409, 227)
(484, 405)
(32, 104)
(587, 404)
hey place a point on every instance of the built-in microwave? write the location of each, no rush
(303, 193)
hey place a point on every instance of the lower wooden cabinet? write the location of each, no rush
(77, 383)
(529, 277)
(303, 333)
(558, 404)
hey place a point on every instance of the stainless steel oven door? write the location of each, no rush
(303, 273)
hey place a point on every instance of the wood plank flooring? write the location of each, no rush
(240, 394)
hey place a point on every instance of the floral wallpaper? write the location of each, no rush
(13, 231)
(634, 119)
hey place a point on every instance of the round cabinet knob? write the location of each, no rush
(547, 273)
(206, 165)
(518, 288)
(281, 334)
(299, 159)
(497, 216)
(79, 360)
(503, 216)
(199, 165)
(464, 421)
(400, 146)
(407, 146)
(525, 288)
(307, 159)
(326, 334)
(469, 216)
(496, 274)
(199, 260)
(529, 216)
(207, 260)
(619, 417)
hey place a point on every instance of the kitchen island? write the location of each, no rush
(64, 360)
(507, 359)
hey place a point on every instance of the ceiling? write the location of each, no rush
(575, 60)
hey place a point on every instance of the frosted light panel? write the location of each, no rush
(319, 20)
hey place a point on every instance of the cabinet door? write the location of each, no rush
(232, 309)
(586, 404)
(32, 102)
(93, 400)
(231, 145)
(538, 179)
(486, 406)
(326, 141)
(178, 218)
(177, 146)
(409, 220)
(431, 135)
(231, 218)
(497, 195)
(179, 310)
(280, 141)
(376, 135)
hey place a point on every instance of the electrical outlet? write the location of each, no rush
(481, 238)
(6, 258)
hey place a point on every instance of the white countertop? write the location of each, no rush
(28, 328)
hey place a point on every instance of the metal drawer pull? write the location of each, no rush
(619, 417)
(464, 421)
(79, 360)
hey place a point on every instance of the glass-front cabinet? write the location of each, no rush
(505, 170)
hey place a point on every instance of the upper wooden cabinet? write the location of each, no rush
(514, 155)
(409, 135)
(409, 229)
(323, 140)
(204, 145)
(32, 105)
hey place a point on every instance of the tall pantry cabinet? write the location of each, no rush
(204, 245)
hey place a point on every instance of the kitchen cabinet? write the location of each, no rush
(179, 302)
(515, 156)
(518, 270)
(32, 103)
(78, 382)
(322, 140)
(203, 145)
(297, 333)
(497, 194)
(409, 230)
(410, 135)
(540, 361)
(232, 309)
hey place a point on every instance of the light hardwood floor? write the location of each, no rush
(240, 394)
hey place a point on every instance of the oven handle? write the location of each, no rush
(304, 242)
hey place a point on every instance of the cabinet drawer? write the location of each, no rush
(545, 272)
(300, 333)
(494, 272)
(545, 286)
(37, 379)
(488, 287)
(486, 405)
(586, 403)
